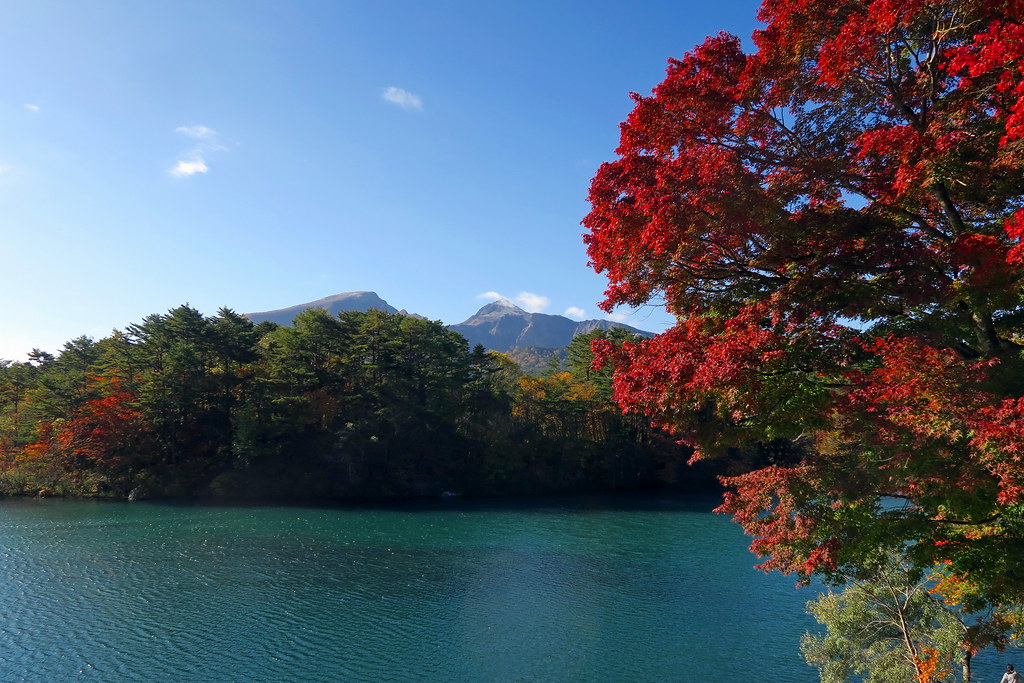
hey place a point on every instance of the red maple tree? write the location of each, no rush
(102, 435)
(835, 220)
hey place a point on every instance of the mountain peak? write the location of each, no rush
(346, 301)
(500, 307)
(501, 325)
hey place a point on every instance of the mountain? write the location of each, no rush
(346, 301)
(501, 326)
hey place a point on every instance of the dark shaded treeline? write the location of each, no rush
(363, 405)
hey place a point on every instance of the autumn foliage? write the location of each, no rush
(362, 404)
(835, 220)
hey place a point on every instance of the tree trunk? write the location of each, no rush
(985, 330)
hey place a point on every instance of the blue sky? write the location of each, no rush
(256, 154)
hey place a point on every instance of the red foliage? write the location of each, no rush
(1014, 228)
(103, 434)
(915, 428)
(862, 168)
(103, 430)
(996, 58)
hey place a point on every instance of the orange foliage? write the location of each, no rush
(928, 669)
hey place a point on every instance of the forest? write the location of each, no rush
(359, 405)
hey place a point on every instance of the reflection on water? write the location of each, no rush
(575, 589)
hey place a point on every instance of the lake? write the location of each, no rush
(610, 588)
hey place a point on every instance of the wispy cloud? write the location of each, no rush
(193, 160)
(575, 312)
(197, 132)
(528, 301)
(403, 98)
(32, 108)
(619, 316)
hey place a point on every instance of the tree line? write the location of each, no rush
(358, 405)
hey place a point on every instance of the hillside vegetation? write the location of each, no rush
(362, 404)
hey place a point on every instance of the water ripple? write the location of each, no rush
(570, 591)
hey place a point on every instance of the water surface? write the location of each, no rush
(575, 589)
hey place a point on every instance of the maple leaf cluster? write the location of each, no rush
(100, 434)
(836, 219)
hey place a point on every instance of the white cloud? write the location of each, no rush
(575, 312)
(619, 316)
(403, 98)
(197, 132)
(193, 160)
(528, 301)
(534, 303)
(32, 107)
(186, 168)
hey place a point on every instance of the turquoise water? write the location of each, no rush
(585, 589)
(576, 589)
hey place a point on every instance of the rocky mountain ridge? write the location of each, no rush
(334, 304)
(499, 325)
(503, 326)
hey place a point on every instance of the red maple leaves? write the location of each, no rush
(102, 434)
(836, 221)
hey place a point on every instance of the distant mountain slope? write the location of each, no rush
(501, 326)
(346, 301)
(535, 361)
